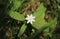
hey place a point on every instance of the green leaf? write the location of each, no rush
(48, 32)
(43, 28)
(16, 4)
(22, 30)
(16, 15)
(58, 6)
(39, 17)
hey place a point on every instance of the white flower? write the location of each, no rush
(30, 18)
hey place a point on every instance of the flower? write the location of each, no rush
(30, 18)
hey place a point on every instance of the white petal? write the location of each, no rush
(31, 22)
(28, 21)
(27, 16)
(33, 17)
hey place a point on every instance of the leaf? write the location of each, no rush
(16, 16)
(48, 32)
(16, 4)
(22, 30)
(43, 28)
(58, 6)
(39, 17)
